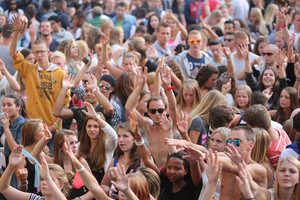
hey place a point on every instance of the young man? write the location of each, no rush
(257, 116)
(163, 33)
(193, 59)
(43, 79)
(229, 41)
(59, 33)
(215, 47)
(78, 20)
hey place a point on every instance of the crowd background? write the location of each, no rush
(162, 99)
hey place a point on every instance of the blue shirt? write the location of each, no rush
(15, 129)
(195, 64)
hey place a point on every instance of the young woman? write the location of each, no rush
(259, 152)
(55, 182)
(260, 45)
(279, 40)
(258, 25)
(106, 26)
(288, 102)
(198, 125)
(12, 122)
(206, 78)
(13, 10)
(116, 43)
(153, 22)
(71, 52)
(189, 96)
(178, 31)
(126, 154)
(242, 97)
(97, 142)
(85, 31)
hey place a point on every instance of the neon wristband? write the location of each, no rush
(95, 89)
(80, 170)
(171, 88)
(56, 124)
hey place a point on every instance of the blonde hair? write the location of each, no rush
(216, 13)
(150, 78)
(296, 192)
(192, 85)
(270, 13)
(104, 25)
(30, 129)
(108, 49)
(245, 88)
(65, 177)
(58, 54)
(115, 36)
(261, 23)
(85, 25)
(212, 98)
(83, 49)
(225, 133)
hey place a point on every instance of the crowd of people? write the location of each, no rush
(162, 99)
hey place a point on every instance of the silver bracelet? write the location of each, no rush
(80, 170)
(23, 185)
(140, 143)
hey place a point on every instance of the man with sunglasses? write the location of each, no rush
(193, 59)
(229, 41)
(239, 146)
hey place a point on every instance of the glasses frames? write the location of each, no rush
(101, 85)
(236, 142)
(192, 41)
(160, 111)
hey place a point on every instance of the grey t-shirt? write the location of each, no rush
(198, 125)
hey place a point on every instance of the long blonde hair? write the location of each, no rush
(270, 13)
(115, 36)
(245, 88)
(212, 98)
(192, 85)
(296, 192)
(261, 23)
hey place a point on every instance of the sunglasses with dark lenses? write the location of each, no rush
(101, 85)
(160, 111)
(13, 3)
(268, 54)
(229, 40)
(236, 143)
(192, 41)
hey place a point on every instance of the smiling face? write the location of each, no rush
(288, 175)
(268, 78)
(92, 129)
(125, 140)
(175, 169)
(285, 101)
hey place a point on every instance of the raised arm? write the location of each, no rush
(105, 103)
(280, 58)
(183, 125)
(230, 63)
(58, 108)
(18, 25)
(11, 80)
(167, 125)
(38, 148)
(245, 53)
(9, 137)
(82, 71)
(206, 27)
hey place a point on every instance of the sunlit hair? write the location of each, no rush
(139, 186)
(131, 55)
(190, 84)
(115, 36)
(296, 192)
(134, 156)
(259, 152)
(65, 47)
(152, 180)
(40, 41)
(97, 158)
(248, 91)
(212, 98)
(138, 46)
(85, 25)
(225, 133)
(58, 54)
(177, 70)
(260, 20)
(65, 177)
(30, 129)
(214, 14)
(104, 25)
(270, 13)
(83, 49)
(150, 78)
(58, 145)
(280, 116)
(108, 49)
(257, 116)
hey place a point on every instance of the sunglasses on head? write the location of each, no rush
(229, 40)
(268, 54)
(236, 143)
(101, 85)
(160, 111)
(192, 41)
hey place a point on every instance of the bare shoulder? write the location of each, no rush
(255, 168)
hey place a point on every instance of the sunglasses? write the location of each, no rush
(108, 87)
(236, 143)
(268, 54)
(192, 41)
(160, 111)
(13, 3)
(229, 40)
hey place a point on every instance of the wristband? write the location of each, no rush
(139, 143)
(23, 185)
(170, 88)
(80, 170)
(282, 26)
(94, 90)
(77, 198)
(56, 125)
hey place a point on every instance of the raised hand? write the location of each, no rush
(226, 87)
(16, 157)
(104, 40)
(244, 51)
(194, 154)
(176, 142)
(268, 92)
(142, 76)
(92, 82)
(280, 57)
(68, 81)
(68, 150)
(233, 154)
(5, 120)
(2, 66)
(297, 71)
(44, 169)
(122, 182)
(48, 134)
(22, 174)
(166, 122)
(227, 52)
(243, 181)
(182, 123)
(151, 53)
(165, 73)
(32, 30)
(90, 110)
(297, 57)
(212, 168)
(17, 23)
(291, 40)
(134, 125)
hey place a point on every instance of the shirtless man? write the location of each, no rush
(239, 146)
